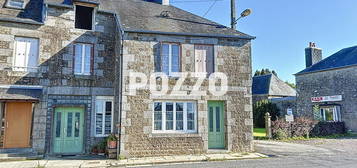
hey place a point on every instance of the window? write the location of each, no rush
(84, 17)
(204, 59)
(26, 54)
(19, 4)
(168, 61)
(175, 117)
(103, 116)
(82, 59)
(331, 113)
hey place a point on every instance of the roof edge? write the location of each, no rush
(328, 69)
(190, 34)
(16, 20)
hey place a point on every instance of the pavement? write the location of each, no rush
(336, 153)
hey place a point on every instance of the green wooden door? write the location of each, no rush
(216, 137)
(68, 130)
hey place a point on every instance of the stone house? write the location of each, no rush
(326, 89)
(80, 84)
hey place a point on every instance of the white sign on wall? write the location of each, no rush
(289, 118)
(289, 111)
(326, 99)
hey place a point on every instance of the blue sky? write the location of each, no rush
(285, 27)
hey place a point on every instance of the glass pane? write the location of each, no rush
(87, 59)
(78, 58)
(190, 125)
(158, 116)
(17, 3)
(99, 106)
(165, 58)
(77, 124)
(108, 118)
(69, 124)
(99, 124)
(169, 116)
(175, 58)
(210, 119)
(179, 116)
(58, 124)
(190, 117)
(329, 114)
(218, 119)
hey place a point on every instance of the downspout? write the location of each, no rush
(121, 38)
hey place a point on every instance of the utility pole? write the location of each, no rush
(233, 14)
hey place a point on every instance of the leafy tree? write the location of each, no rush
(265, 71)
(259, 110)
(293, 85)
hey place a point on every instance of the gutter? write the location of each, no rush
(190, 34)
(323, 70)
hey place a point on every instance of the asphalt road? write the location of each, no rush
(336, 153)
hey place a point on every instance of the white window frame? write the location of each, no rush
(336, 112)
(26, 68)
(103, 99)
(171, 74)
(83, 45)
(8, 4)
(163, 119)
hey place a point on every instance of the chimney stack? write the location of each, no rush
(162, 2)
(313, 54)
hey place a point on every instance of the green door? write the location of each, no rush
(216, 138)
(68, 130)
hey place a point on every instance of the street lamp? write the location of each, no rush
(245, 13)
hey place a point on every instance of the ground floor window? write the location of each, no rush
(175, 117)
(103, 115)
(330, 113)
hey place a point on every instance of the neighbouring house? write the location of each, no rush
(326, 89)
(68, 64)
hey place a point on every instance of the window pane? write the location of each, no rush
(175, 58)
(165, 58)
(99, 124)
(108, 117)
(58, 124)
(158, 116)
(99, 106)
(78, 58)
(218, 119)
(69, 124)
(190, 117)
(77, 124)
(16, 3)
(179, 116)
(87, 59)
(169, 116)
(210, 119)
(329, 114)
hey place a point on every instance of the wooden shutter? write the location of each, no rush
(26, 54)
(20, 55)
(209, 60)
(204, 58)
(157, 59)
(32, 55)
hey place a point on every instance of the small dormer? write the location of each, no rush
(85, 14)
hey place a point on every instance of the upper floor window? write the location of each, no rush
(103, 115)
(26, 54)
(168, 61)
(204, 59)
(84, 17)
(83, 54)
(19, 4)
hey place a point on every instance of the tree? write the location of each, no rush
(265, 71)
(291, 84)
(259, 110)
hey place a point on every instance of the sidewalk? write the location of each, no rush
(58, 163)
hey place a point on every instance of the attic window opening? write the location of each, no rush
(18, 4)
(84, 17)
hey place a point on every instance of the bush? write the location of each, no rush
(329, 128)
(280, 134)
(259, 110)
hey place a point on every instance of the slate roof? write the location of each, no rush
(20, 94)
(343, 58)
(31, 14)
(141, 15)
(271, 85)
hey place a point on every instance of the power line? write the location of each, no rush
(209, 9)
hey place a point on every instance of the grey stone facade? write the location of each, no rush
(328, 83)
(232, 57)
(55, 74)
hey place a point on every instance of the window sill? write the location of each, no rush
(188, 135)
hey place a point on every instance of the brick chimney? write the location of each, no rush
(162, 2)
(313, 54)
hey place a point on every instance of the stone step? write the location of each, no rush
(19, 156)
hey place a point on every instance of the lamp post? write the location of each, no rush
(234, 21)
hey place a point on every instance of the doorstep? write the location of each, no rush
(185, 158)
